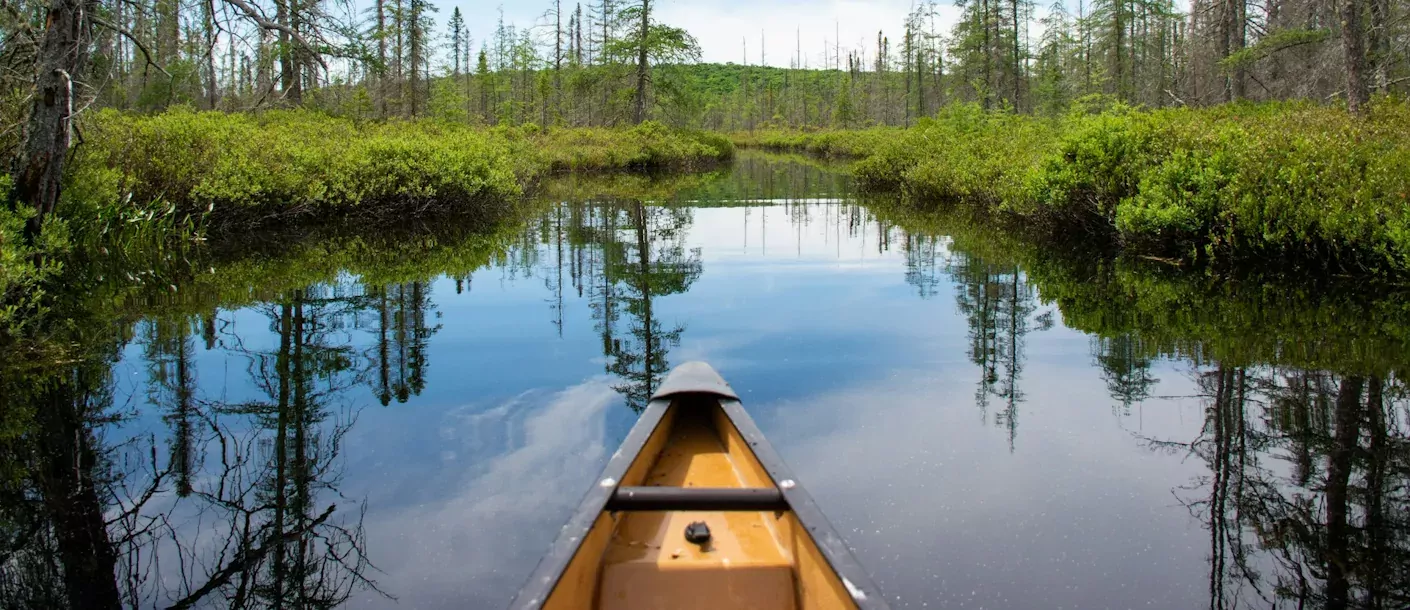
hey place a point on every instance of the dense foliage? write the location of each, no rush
(1267, 185)
(253, 168)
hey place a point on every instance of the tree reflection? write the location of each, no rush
(656, 264)
(923, 263)
(300, 379)
(1305, 502)
(403, 334)
(58, 552)
(171, 387)
(230, 517)
(999, 304)
(625, 255)
(1125, 369)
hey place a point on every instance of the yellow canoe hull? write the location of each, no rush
(695, 457)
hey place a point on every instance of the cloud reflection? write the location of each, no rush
(464, 549)
(906, 467)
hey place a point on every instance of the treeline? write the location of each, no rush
(609, 62)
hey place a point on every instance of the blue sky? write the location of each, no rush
(722, 26)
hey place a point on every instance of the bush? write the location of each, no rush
(1240, 184)
(253, 168)
(837, 144)
(648, 146)
(23, 273)
(288, 163)
(962, 154)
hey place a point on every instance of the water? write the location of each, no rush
(988, 423)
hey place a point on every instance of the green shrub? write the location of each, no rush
(825, 143)
(22, 272)
(284, 163)
(1258, 184)
(648, 146)
(250, 168)
(964, 154)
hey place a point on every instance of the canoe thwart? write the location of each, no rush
(694, 378)
(724, 499)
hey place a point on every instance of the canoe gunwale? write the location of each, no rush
(551, 568)
(834, 549)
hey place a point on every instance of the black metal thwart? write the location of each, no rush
(697, 498)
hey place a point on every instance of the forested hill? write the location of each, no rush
(703, 95)
(720, 80)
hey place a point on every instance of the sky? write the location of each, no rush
(726, 28)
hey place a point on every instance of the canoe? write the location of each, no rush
(696, 511)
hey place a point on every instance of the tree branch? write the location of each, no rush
(128, 35)
(263, 22)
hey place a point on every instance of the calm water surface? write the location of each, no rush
(987, 426)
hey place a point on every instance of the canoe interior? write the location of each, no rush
(756, 560)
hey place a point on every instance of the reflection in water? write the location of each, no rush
(402, 336)
(1305, 499)
(232, 515)
(999, 303)
(653, 264)
(1126, 370)
(204, 461)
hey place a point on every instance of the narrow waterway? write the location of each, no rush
(406, 421)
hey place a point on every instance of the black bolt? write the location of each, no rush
(697, 533)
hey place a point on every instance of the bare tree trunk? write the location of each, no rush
(398, 48)
(557, 59)
(264, 64)
(1118, 51)
(1353, 45)
(382, 71)
(286, 60)
(1339, 465)
(988, 52)
(63, 56)
(1226, 34)
(641, 62)
(1378, 43)
(1239, 33)
(297, 54)
(1017, 61)
(290, 74)
(212, 84)
(414, 43)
